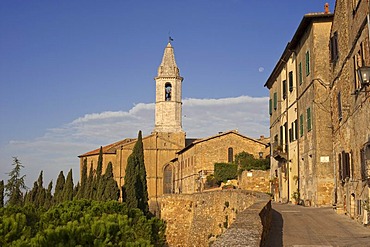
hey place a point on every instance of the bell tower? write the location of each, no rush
(168, 102)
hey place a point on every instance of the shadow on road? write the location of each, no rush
(276, 231)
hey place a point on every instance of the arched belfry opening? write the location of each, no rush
(168, 180)
(168, 91)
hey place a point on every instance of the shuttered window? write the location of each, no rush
(270, 107)
(339, 106)
(309, 121)
(300, 76)
(307, 63)
(291, 81)
(284, 89)
(301, 125)
(275, 101)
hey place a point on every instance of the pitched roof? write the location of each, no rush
(292, 45)
(108, 149)
(195, 142)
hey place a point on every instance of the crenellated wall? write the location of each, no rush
(198, 219)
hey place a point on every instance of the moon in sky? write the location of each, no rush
(261, 69)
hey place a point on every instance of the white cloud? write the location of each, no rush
(59, 147)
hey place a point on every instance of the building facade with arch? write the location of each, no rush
(166, 149)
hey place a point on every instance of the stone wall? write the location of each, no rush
(198, 219)
(255, 180)
(251, 228)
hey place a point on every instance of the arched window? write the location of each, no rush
(230, 155)
(168, 180)
(168, 91)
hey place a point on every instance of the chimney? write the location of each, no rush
(262, 137)
(326, 8)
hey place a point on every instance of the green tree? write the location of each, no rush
(99, 168)
(1, 193)
(82, 189)
(246, 161)
(111, 190)
(49, 196)
(59, 187)
(15, 184)
(90, 184)
(68, 187)
(225, 171)
(136, 191)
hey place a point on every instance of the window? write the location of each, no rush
(309, 122)
(300, 76)
(358, 61)
(230, 155)
(275, 101)
(281, 136)
(334, 48)
(168, 91)
(307, 63)
(291, 81)
(270, 107)
(296, 129)
(339, 107)
(293, 131)
(284, 89)
(301, 125)
(290, 135)
(168, 180)
(345, 166)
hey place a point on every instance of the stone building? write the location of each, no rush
(349, 47)
(188, 171)
(300, 115)
(168, 142)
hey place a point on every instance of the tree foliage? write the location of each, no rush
(246, 161)
(79, 223)
(225, 171)
(136, 190)
(2, 193)
(15, 184)
(59, 187)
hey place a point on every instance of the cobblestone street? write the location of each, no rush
(294, 225)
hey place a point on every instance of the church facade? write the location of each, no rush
(173, 162)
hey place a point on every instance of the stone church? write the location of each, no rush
(174, 163)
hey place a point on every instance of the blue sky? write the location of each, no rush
(75, 75)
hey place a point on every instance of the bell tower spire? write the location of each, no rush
(168, 102)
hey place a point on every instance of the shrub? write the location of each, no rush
(225, 171)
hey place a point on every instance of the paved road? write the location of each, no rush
(305, 226)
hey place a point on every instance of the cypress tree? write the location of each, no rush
(59, 187)
(111, 190)
(99, 168)
(136, 190)
(89, 184)
(1, 193)
(15, 184)
(82, 189)
(49, 196)
(41, 192)
(68, 187)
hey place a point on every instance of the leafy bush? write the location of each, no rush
(247, 162)
(80, 222)
(225, 171)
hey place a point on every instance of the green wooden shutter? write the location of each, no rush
(270, 107)
(275, 101)
(284, 89)
(307, 63)
(301, 125)
(290, 81)
(309, 123)
(300, 73)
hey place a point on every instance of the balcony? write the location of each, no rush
(279, 152)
